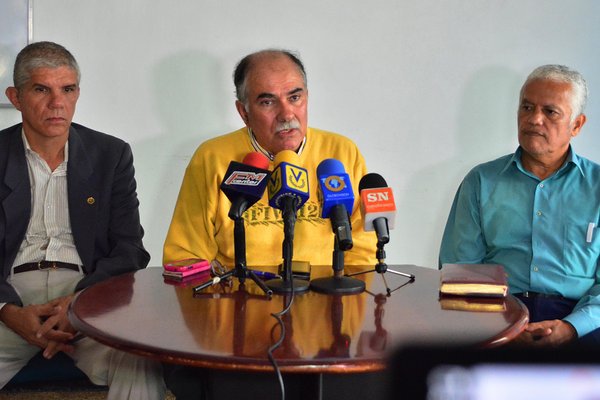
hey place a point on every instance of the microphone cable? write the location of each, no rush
(278, 343)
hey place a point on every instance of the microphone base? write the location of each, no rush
(337, 285)
(285, 286)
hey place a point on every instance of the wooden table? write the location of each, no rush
(231, 329)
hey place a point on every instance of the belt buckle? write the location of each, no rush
(51, 265)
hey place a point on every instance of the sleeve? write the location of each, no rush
(586, 315)
(192, 230)
(463, 240)
(122, 250)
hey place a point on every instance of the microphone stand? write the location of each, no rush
(381, 267)
(288, 283)
(338, 283)
(240, 271)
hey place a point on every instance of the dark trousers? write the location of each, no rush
(542, 308)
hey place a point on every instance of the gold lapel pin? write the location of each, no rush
(91, 200)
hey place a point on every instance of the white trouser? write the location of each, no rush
(128, 376)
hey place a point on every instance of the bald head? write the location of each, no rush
(246, 64)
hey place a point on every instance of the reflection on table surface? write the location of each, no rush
(232, 326)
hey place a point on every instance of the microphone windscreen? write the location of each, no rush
(330, 166)
(257, 160)
(371, 181)
(287, 156)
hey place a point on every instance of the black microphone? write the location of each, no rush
(377, 206)
(245, 183)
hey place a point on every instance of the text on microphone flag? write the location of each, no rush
(245, 178)
(378, 199)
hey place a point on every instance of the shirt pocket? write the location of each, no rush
(581, 250)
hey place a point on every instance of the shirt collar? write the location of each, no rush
(262, 150)
(30, 151)
(572, 158)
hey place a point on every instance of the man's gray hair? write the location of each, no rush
(42, 55)
(561, 73)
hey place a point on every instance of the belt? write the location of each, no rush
(533, 295)
(43, 265)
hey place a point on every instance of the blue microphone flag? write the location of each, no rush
(334, 186)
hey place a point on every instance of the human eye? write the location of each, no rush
(526, 107)
(551, 112)
(40, 89)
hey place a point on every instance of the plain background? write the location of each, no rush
(427, 88)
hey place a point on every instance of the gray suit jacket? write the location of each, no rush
(103, 205)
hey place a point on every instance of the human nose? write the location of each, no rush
(286, 112)
(535, 117)
(56, 100)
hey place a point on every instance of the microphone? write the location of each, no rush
(337, 199)
(288, 191)
(245, 182)
(377, 206)
(288, 185)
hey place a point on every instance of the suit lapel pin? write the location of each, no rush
(91, 200)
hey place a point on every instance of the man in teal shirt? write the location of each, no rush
(536, 212)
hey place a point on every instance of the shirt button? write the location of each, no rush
(538, 213)
(535, 269)
(541, 185)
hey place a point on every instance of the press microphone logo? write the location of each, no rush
(275, 181)
(335, 183)
(245, 178)
(378, 199)
(297, 179)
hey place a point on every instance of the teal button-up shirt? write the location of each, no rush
(544, 232)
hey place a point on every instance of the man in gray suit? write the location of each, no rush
(68, 219)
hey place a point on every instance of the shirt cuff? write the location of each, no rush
(582, 323)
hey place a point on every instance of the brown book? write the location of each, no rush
(478, 304)
(481, 280)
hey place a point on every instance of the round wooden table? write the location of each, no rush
(231, 327)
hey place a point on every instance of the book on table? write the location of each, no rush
(478, 280)
(479, 304)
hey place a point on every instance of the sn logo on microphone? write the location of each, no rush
(245, 178)
(373, 197)
(379, 199)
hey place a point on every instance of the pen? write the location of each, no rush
(266, 275)
(590, 232)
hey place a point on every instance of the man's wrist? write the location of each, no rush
(5, 308)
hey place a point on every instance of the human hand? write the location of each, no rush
(57, 329)
(550, 333)
(26, 321)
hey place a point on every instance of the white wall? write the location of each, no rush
(426, 88)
